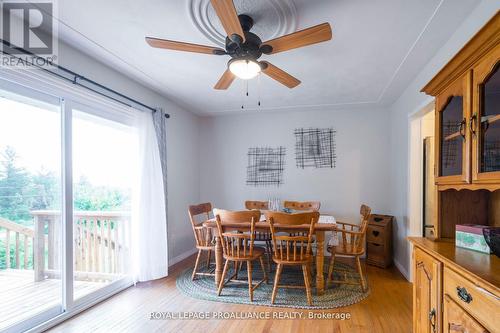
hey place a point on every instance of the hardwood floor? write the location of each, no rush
(387, 309)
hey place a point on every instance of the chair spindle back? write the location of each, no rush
(202, 235)
(357, 240)
(292, 248)
(234, 244)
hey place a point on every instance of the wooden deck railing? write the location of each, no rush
(19, 230)
(100, 244)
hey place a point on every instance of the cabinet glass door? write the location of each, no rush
(451, 140)
(489, 140)
(485, 122)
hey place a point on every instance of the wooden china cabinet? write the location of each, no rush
(456, 289)
(468, 125)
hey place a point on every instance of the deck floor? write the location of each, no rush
(22, 297)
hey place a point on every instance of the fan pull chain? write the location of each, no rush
(243, 98)
(258, 89)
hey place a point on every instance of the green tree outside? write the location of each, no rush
(22, 192)
(14, 185)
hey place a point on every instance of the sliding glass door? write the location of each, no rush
(104, 169)
(68, 173)
(30, 192)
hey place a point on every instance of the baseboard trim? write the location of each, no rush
(402, 270)
(181, 257)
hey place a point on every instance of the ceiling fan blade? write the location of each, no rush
(225, 80)
(317, 34)
(228, 17)
(279, 75)
(181, 46)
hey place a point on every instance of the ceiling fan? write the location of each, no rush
(245, 47)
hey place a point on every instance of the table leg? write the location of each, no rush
(218, 260)
(320, 260)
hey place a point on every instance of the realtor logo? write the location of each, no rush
(28, 33)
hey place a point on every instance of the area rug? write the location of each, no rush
(335, 296)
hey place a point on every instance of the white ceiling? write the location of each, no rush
(378, 47)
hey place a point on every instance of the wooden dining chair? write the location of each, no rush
(292, 250)
(304, 206)
(262, 236)
(238, 247)
(203, 236)
(351, 244)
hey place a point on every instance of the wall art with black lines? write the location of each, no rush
(265, 166)
(315, 148)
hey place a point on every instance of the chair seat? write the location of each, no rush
(284, 261)
(257, 252)
(344, 249)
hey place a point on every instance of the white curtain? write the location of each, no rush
(149, 221)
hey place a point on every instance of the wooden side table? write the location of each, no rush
(379, 240)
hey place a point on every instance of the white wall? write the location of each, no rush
(182, 143)
(361, 174)
(412, 101)
(207, 157)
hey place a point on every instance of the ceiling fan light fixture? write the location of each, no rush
(245, 69)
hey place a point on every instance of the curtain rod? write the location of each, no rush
(76, 78)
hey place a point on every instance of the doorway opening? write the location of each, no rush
(422, 191)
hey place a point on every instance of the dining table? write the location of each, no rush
(325, 224)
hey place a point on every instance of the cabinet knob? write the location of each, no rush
(375, 233)
(464, 295)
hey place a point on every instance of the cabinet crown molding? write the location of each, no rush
(482, 42)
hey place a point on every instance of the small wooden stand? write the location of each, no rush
(379, 240)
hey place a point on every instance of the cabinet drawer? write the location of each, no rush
(375, 250)
(378, 261)
(456, 319)
(478, 302)
(375, 234)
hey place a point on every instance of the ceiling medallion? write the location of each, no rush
(272, 18)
